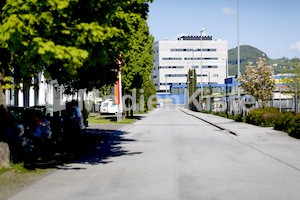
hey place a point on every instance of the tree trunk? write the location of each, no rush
(4, 148)
(127, 105)
(4, 155)
(2, 92)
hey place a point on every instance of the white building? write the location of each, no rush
(173, 59)
(46, 93)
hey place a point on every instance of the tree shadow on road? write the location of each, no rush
(97, 146)
(108, 144)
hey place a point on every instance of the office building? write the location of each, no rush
(173, 59)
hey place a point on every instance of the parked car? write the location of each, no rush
(73, 121)
(37, 130)
(12, 131)
(108, 107)
(56, 122)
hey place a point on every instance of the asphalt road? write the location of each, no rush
(168, 155)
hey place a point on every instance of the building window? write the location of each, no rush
(175, 75)
(172, 58)
(174, 50)
(208, 66)
(215, 75)
(200, 58)
(170, 67)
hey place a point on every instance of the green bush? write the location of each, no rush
(284, 121)
(295, 126)
(238, 117)
(262, 116)
(204, 111)
(222, 114)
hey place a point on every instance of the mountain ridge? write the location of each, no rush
(247, 54)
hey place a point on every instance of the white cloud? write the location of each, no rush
(295, 46)
(227, 11)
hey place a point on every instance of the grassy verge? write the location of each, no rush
(3, 170)
(111, 120)
(21, 168)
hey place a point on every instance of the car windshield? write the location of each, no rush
(49, 112)
(78, 112)
(105, 105)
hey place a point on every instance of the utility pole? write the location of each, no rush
(296, 93)
(238, 61)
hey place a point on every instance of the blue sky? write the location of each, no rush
(272, 26)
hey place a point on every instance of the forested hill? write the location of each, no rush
(247, 54)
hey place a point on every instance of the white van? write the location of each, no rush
(98, 103)
(108, 107)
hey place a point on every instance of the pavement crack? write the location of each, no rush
(268, 155)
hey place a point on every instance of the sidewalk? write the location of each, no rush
(275, 144)
(241, 129)
(12, 182)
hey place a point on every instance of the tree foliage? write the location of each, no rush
(138, 61)
(294, 71)
(259, 81)
(76, 42)
(192, 80)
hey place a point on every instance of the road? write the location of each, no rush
(168, 155)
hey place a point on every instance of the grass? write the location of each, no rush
(20, 168)
(110, 120)
(3, 170)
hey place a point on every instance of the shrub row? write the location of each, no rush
(263, 117)
(271, 117)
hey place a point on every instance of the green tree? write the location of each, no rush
(293, 87)
(259, 81)
(124, 19)
(149, 90)
(192, 80)
(294, 71)
(75, 42)
(138, 60)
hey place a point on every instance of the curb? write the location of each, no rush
(231, 132)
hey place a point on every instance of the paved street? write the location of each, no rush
(169, 155)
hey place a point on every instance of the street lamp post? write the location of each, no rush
(209, 89)
(193, 68)
(201, 67)
(188, 87)
(226, 88)
(238, 44)
(166, 85)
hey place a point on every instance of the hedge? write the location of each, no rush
(271, 117)
(295, 126)
(263, 117)
(284, 121)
